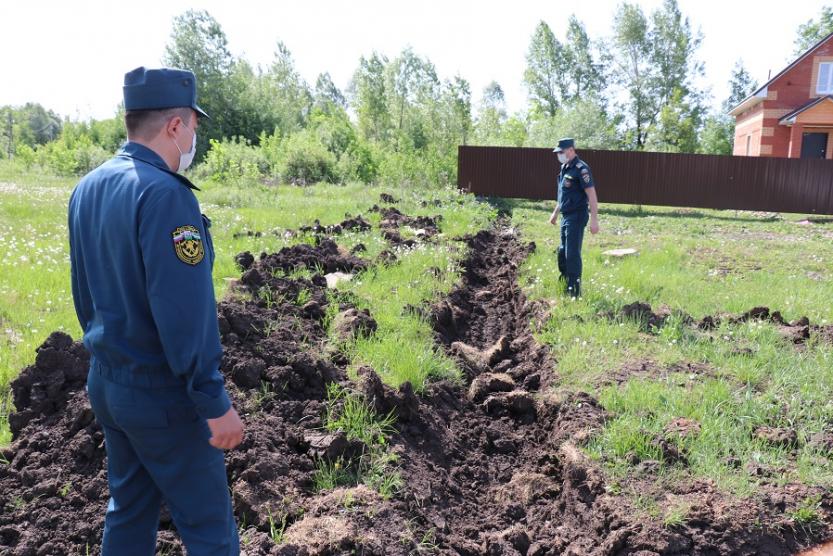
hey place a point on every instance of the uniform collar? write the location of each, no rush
(149, 156)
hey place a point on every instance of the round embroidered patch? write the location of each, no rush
(188, 244)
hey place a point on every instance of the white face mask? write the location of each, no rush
(185, 159)
(562, 158)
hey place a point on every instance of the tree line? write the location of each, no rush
(399, 121)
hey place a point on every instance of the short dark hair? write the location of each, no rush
(145, 124)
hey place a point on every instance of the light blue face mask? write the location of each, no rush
(185, 159)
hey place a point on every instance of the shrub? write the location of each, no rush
(234, 160)
(68, 155)
(306, 160)
(358, 163)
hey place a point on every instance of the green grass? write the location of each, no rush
(35, 296)
(276, 529)
(403, 348)
(808, 515)
(346, 411)
(699, 263)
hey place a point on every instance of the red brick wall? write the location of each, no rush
(785, 94)
(748, 124)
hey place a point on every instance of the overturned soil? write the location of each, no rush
(491, 464)
(799, 331)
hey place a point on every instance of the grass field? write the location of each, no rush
(35, 296)
(699, 263)
(728, 381)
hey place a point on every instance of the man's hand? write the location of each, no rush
(554, 217)
(226, 431)
(594, 225)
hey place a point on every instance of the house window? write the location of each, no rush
(748, 145)
(825, 85)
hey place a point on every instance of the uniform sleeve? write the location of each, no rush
(587, 177)
(558, 189)
(181, 295)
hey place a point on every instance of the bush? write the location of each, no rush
(234, 160)
(67, 156)
(306, 160)
(420, 169)
(358, 163)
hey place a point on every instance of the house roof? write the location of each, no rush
(761, 93)
(790, 118)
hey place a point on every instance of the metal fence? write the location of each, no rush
(640, 178)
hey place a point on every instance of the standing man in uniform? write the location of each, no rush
(141, 259)
(576, 190)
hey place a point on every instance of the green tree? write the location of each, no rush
(198, 43)
(813, 31)
(30, 125)
(545, 71)
(718, 133)
(456, 102)
(631, 54)
(582, 69)
(513, 133)
(255, 109)
(656, 65)
(584, 119)
(326, 94)
(413, 92)
(368, 97)
(741, 85)
(291, 97)
(676, 126)
(491, 115)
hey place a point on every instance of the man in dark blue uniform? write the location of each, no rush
(141, 259)
(576, 190)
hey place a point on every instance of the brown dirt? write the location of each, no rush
(491, 465)
(798, 331)
(358, 224)
(392, 220)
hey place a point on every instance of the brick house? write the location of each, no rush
(791, 116)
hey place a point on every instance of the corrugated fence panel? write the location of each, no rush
(640, 178)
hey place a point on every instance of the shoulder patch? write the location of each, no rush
(188, 244)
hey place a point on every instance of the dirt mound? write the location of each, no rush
(53, 488)
(42, 389)
(799, 331)
(350, 223)
(325, 256)
(357, 224)
(642, 313)
(392, 220)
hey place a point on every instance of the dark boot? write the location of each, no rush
(574, 286)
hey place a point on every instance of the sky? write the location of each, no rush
(71, 56)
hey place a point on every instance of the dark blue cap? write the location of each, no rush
(157, 89)
(564, 144)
